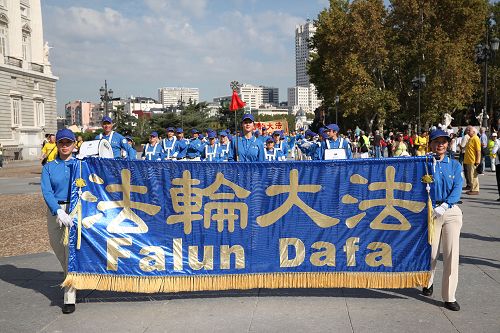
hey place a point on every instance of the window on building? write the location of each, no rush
(26, 46)
(16, 111)
(39, 110)
(3, 38)
(13, 81)
(24, 11)
(36, 85)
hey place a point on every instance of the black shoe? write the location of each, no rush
(427, 291)
(453, 306)
(68, 308)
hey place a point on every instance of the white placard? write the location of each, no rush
(335, 154)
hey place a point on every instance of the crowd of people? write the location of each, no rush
(251, 145)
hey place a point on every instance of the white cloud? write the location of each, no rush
(165, 47)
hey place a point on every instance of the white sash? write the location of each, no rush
(149, 155)
(168, 150)
(210, 156)
(270, 157)
(335, 153)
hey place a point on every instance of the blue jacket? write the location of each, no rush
(118, 142)
(55, 183)
(249, 150)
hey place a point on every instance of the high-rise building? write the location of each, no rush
(303, 36)
(27, 85)
(270, 95)
(251, 95)
(172, 96)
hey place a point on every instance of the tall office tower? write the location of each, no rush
(303, 35)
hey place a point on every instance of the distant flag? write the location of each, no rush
(236, 102)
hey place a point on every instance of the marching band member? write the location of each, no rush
(153, 151)
(272, 154)
(248, 147)
(210, 149)
(117, 141)
(224, 147)
(334, 147)
(168, 143)
(55, 184)
(181, 144)
(446, 190)
(133, 152)
(195, 146)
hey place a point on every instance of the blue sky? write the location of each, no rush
(142, 45)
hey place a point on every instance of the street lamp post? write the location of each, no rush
(106, 96)
(418, 83)
(337, 100)
(483, 54)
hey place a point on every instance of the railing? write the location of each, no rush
(37, 67)
(12, 153)
(14, 62)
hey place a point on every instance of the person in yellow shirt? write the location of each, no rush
(49, 150)
(421, 144)
(491, 144)
(472, 158)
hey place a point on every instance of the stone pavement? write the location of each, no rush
(30, 298)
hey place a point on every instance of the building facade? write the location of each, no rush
(81, 114)
(303, 35)
(141, 104)
(27, 85)
(172, 96)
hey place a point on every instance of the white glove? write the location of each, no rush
(439, 210)
(64, 219)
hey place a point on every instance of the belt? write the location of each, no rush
(63, 202)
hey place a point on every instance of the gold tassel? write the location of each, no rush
(430, 219)
(142, 284)
(65, 236)
(79, 210)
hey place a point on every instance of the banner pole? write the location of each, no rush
(236, 132)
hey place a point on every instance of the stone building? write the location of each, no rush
(27, 85)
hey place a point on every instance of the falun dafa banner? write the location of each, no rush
(184, 226)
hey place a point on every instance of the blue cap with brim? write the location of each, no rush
(194, 130)
(223, 133)
(211, 135)
(155, 134)
(107, 119)
(269, 140)
(170, 129)
(65, 134)
(179, 130)
(247, 116)
(438, 134)
(333, 127)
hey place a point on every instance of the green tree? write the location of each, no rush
(351, 61)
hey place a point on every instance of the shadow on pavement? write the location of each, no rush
(479, 261)
(479, 237)
(47, 284)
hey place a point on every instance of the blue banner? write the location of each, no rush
(170, 226)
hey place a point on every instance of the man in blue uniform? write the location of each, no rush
(153, 151)
(248, 148)
(335, 147)
(168, 143)
(445, 193)
(117, 141)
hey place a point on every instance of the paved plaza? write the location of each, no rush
(30, 297)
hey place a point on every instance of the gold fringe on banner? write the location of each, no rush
(142, 284)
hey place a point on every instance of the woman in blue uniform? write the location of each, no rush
(248, 148)
(446, 190)
(55, 184)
